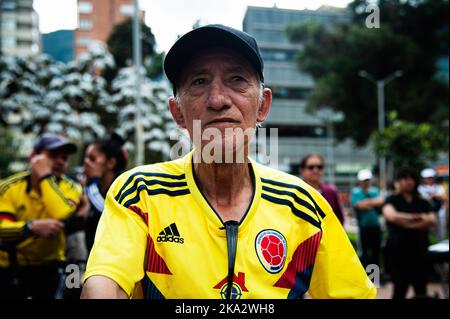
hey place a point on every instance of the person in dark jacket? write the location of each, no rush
(408, 218)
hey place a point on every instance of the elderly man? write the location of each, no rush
(33, 206)
(205, 226)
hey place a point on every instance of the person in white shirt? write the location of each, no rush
(436, 195)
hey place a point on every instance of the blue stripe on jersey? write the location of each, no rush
(147, 174)
(302, 281)
(296, 212)
(298, 188)
(95, 197)
(150, 291)
(148, 183)
(294, 196)
(136, 199)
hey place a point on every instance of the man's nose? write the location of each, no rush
(218, 97)
(60, 159)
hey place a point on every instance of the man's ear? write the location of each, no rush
(176, 112)
(264, 107)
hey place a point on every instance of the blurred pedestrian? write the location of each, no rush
(103, 162)
(366, 203)
(33, 206)
(311, 170)
(436, 195)
(408, 219)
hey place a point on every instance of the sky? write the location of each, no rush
(170, 18)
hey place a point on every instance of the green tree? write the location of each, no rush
(408, 144)
(40, 95)
(411, 38)
(8, 147)
(154, 65)
(120, 44)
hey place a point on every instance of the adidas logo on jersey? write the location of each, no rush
(170, 234)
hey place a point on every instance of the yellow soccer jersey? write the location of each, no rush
(19, 203)
(159, 235)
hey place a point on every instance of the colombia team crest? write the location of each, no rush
(271, 249)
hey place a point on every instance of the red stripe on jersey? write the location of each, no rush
(303, 258)
(8, 216)
(155, 263)
(138, 211)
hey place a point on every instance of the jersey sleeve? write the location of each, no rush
(10, 228)
(120, 243)
(60, 202)
(338, 273)
(13, 230)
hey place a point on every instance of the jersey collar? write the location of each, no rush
(212, 216)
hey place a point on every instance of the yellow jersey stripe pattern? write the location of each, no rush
(158, 237)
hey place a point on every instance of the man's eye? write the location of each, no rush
(198, 81)
(237, 78)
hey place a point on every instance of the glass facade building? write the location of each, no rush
(300, 132)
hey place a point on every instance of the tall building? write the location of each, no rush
(96, 19)
(19, 27)
(300, 132)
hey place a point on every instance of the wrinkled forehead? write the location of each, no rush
(226, 58)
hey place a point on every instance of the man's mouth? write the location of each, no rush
(223, 120)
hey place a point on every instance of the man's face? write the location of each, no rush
(60, 160)
(221, 90)
(365, 184)
(406, 184)
(313, 170)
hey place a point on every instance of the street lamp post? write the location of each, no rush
(137, 60)
(329, 117)
(381, 116)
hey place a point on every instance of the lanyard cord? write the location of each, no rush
(231, 228)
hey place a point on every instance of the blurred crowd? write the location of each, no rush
(395, 228)
(48, 220)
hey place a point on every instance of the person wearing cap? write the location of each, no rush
(436, 195)
(366, 202)
(213, 224)
(409, 218)
(33, 206)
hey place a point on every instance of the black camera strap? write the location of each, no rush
(231, 228)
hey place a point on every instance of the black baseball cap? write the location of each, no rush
(209, 36)
(53, 142)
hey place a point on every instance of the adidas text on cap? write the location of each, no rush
(209, 36)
